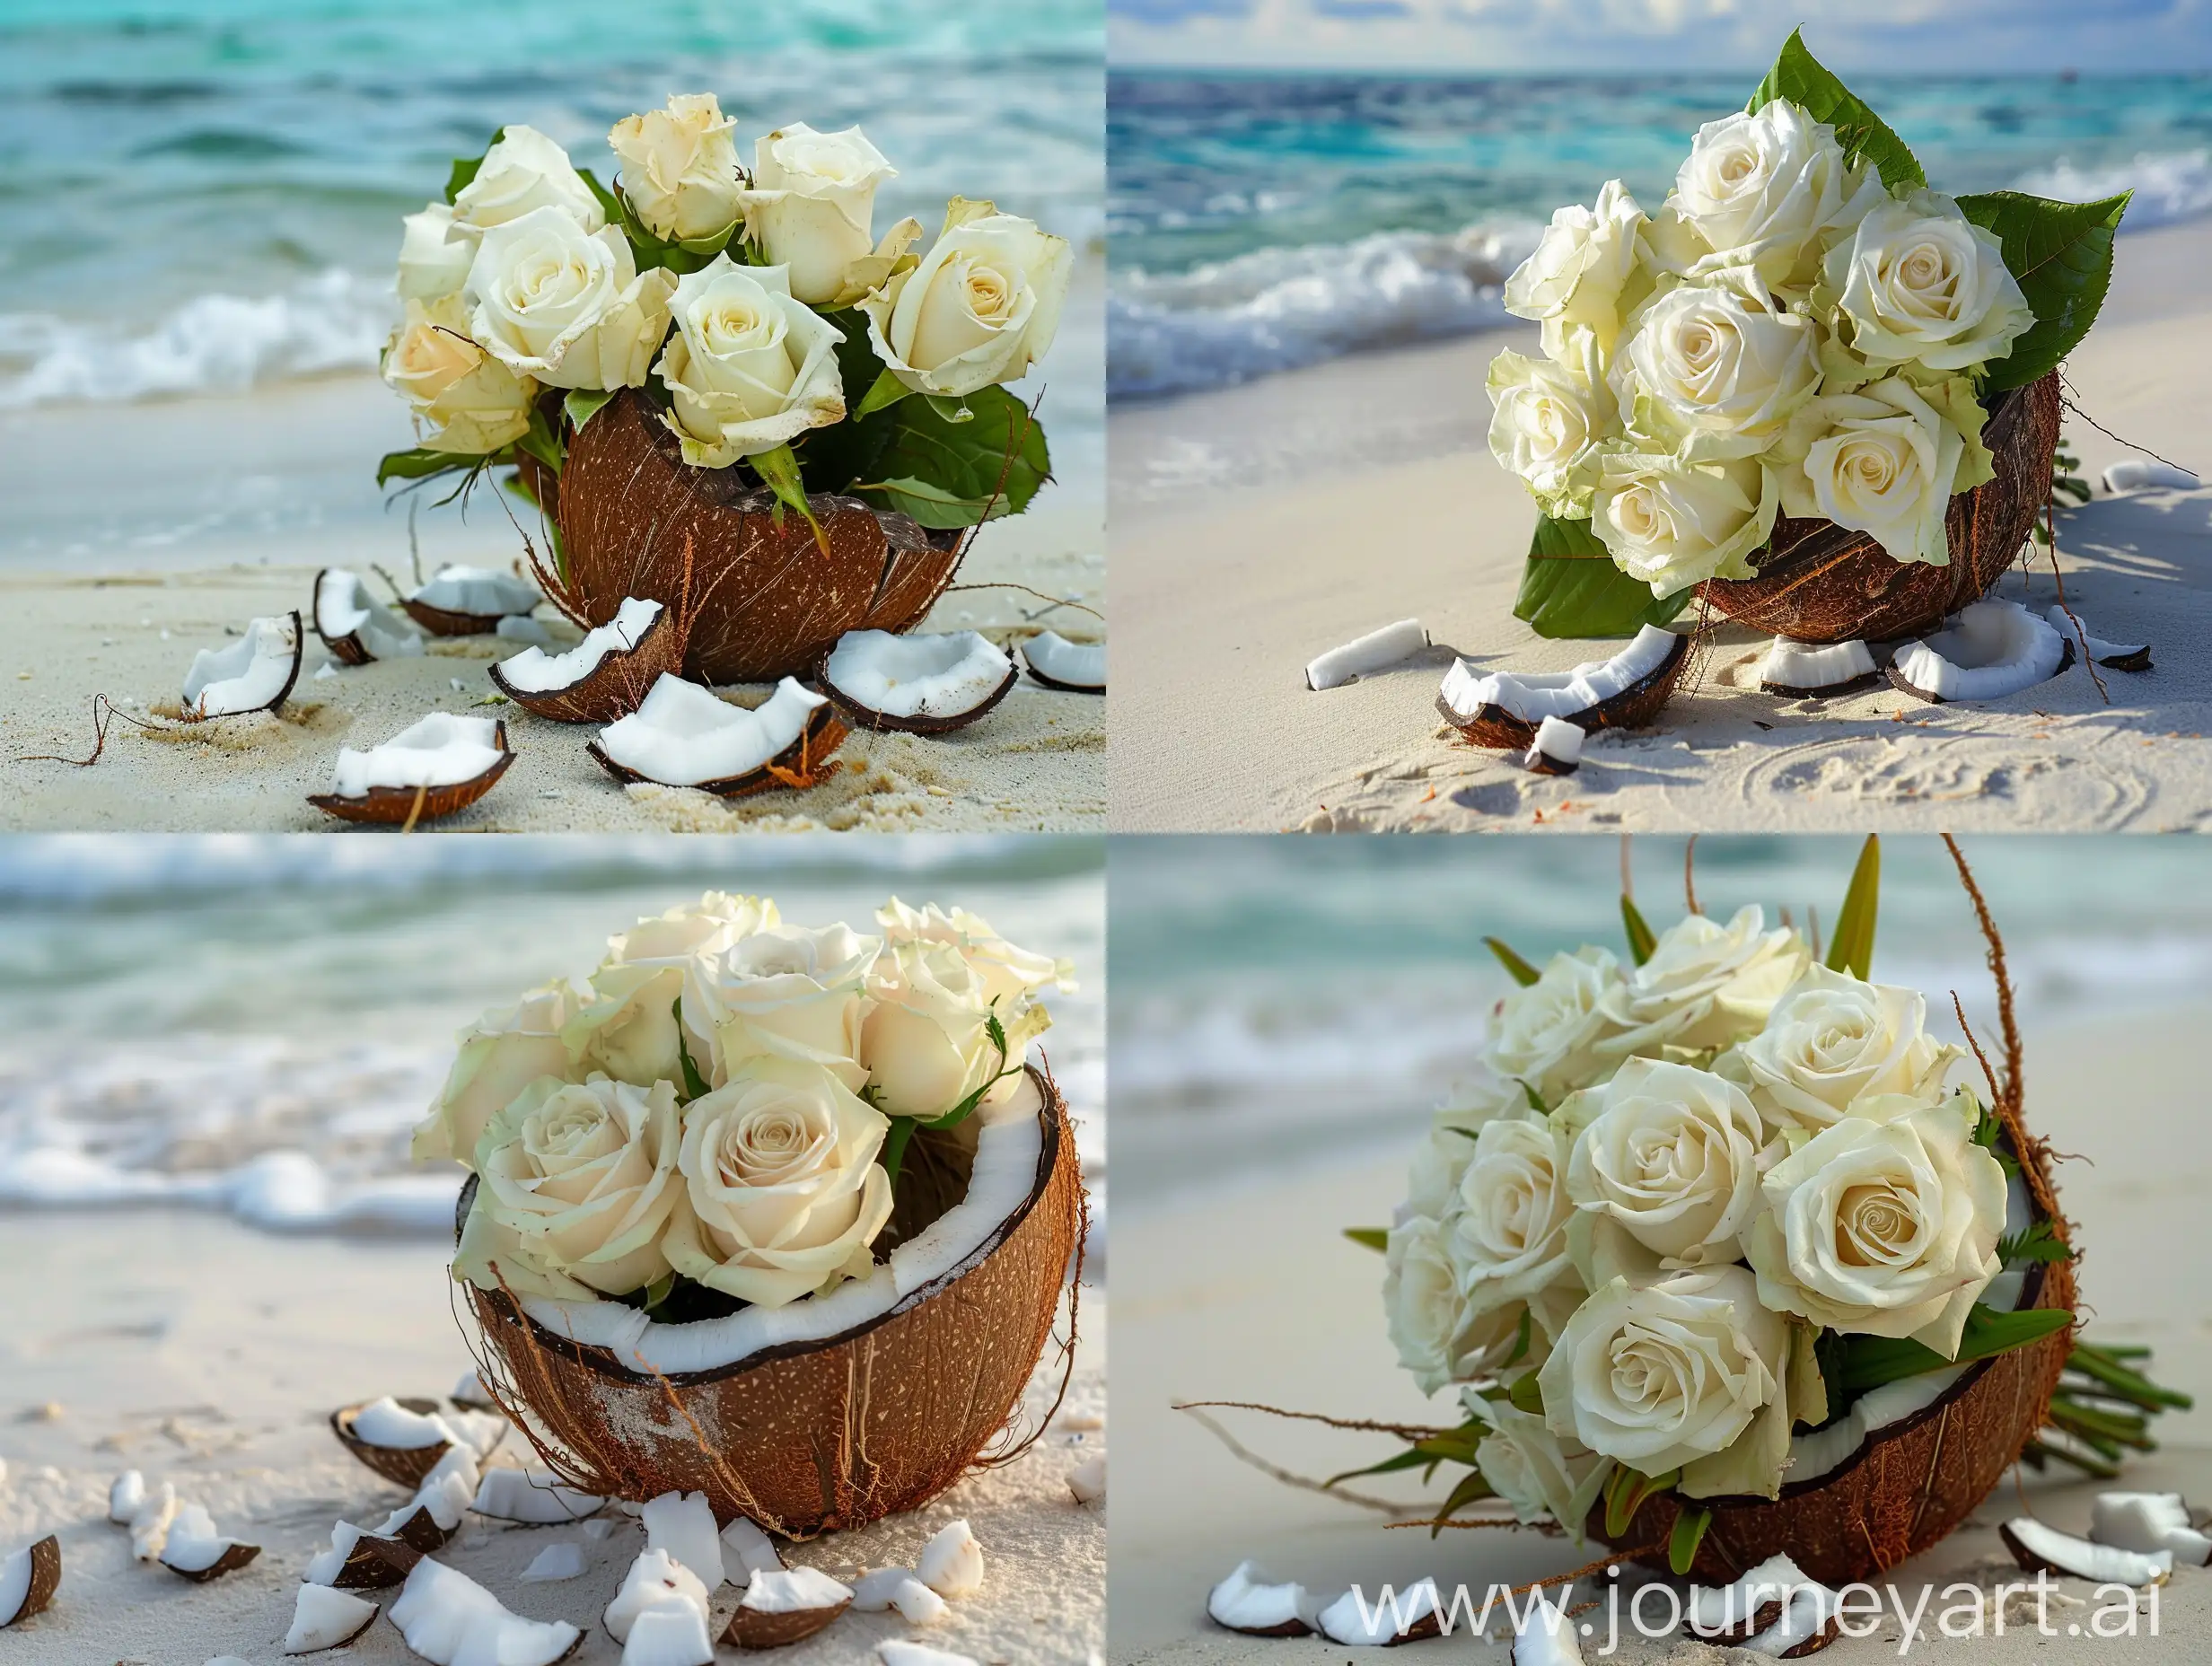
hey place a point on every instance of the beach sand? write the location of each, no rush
(209, 1355)
(1255, 1294)
(1257, 526)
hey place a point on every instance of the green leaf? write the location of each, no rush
(682, 255)
(952, 411)
(885, 392)
(895, 1146)
(1801, 78)
(779, 471)
(2039, 1243)
(658, 1291)
(1521, 1340)
(465, 168)
(420, 465)
(1641, 940)
(1412, 1458)
(949, 475)
(544, 440)
(2062, 255)
(1373, 1237)
(1471, 1487)
(694, 1084)
(1526, 1393)
(1521, 972)
(583, 404)
(1691, 1520)
(1570, 587)
(1852, 950)
(1625, 1490)
(1873, 1361)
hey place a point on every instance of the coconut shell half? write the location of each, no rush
(233, 1557)
(767, 602)
(396, 806)
(447, 622)
(45, 1557)
(406, 1465)
(1633, 707)
(863, 717)
(377, 1563)
(616, 686)
(797, 764)
(748, 1628)
(815, 1436)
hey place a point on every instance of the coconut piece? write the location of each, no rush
(899, 1652)
(451, 1620)
(601, 678)
(1414, 1613)
(2037, 1546)
(355, 626)
(872, 1591)
(917, 1603)
(150, 1527)
(469, 1394)
(2116, 656)
(532, 1496)
(1374, 652)
(1248, 1602)
(1071, 667)
(360, 1560)
(682, 735)
(655, 1579)
(1543, 1636)
(196, 1549)
(468, 601)
(1985, 651)
(2136, 474)
(920, 684)
(405, 1439)
(1557, 750)
(2149, 1522)
(436, 767)
(785, 1606)
(1752, 1604)
(683, 1525)
(1808, 670)
(1504, 709)
(126, 1497)
(746, 1550)
(253, 674)
(28, 1580)
(1087, 1481)
(523, 628)
(564, 1560)
(1807, 1625)
(323, 1619)
(952, 1561)
(672, 1635)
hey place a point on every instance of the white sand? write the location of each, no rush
(203, 1353)
(1257, 1297)
(1255, 527)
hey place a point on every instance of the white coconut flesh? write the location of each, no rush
(126, 1497)
(1543, 1636)
(654, 1580)
(1805, 665)
(1377, 1620)
(445, 1497)
(1078, 664)
(194, 1543)
(439, 751)
(555, 1562)
(794, 1590)
(2149, 1522)
(1811, 1609)
(671, 1635)
(328, 1564)
(521, 627)
(1247, 1601)
(899, 1652)
(150, 1527)
(1009, 1143)
(746, 1550)
(682, 1524)
(1376, 651)
(682, 734)
(14, 1585)
(344, 607)
(535, 671)
(952, 1561)
(2037, 1544)
(477, 589)
(248, 675)
(532, 1496)
(1087, 1481)
(2136, 474)
(1558, 742)
(1534, 695)
(2073, 627)
(387, 1424)
(926, 676)
(1985, 651)
(323, 1619)
(451, 1620)
(1717, 1609)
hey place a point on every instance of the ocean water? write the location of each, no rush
(1284, 1004)
(254, 1025)
(1262, 222)
(204, 195)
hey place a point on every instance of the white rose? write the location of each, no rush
(523, 172)
(1688, 1373)
(432, 262)
(1582, 262)
(500, 1054)
(812, 207)
(1508, 1225)
(749, 368)
(938, 987)
(788, 992)
(679, 168)
(1887, 1229)
(1672, 1160)
(1432, 1179)
(1012, 977)
(1886, 461)
(1706, 985)
(1832, 1043)
(1674, 524)
(1539, 1473)
(1771, 189)
(1713, 370)
(1440, 1336)
(1474, 1099)
(785, 1192)
(566, 305)
(1546, 419)
(629, 1028)
(582, 1177)
(1546, 1033)
(465, 400)
(980, 309)
(1922, 285)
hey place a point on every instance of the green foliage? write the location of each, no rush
(1570, 587)
(947, 474)
(2040, 1244)
(694, 1083)
(1852, 950)
(2062, 255)
(1642, 941)
(1689, 1524)
(778, 469)
(420, 464)
(885, 392)
(1801, 78)
(1625, 1490)
(580, 405)
(1522, 972)
(1377, 1238)
(1872, 1360)
(650, 250)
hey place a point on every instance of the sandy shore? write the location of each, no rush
(206, 1355)
(1257, 526)
(1257, 1297)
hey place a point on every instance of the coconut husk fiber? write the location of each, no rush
(766, 601)
(813, 1437)
(1819, 583)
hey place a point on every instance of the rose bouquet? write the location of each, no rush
(737, 339)
(753, 1158)
(1806, 380)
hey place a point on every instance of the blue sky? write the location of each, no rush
(1935, 36)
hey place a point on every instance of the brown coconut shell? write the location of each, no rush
(447, 622)
(45, 1580)
(799, 765)
(397, 805)
(748, 1628)
(1819, 583)
(1897, 681)
(1065, 687)
(378, 1564)
(767, 602)
(406, 1465)
(299, 653)
(617, 686)
(863, 717)
(232, 1558)
(1633, 707)
(813, 1437)
(1286, 1628)
(347, 649)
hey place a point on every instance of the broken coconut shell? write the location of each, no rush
(373, 1562)
(1248, 1601)
(869, 666)
(629, 508)
(322, 1619)
(2040, 1548)
(1634, 707)
(441, 619)
(785, 1607)
(1071, 667)
(798, 765)
(211, 672)
(358, 644)
(408, 1466)
(399, 806)
(1820, 582)
(616, 685)
(2032, 651)
(28, 1580)
(819, 1435)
